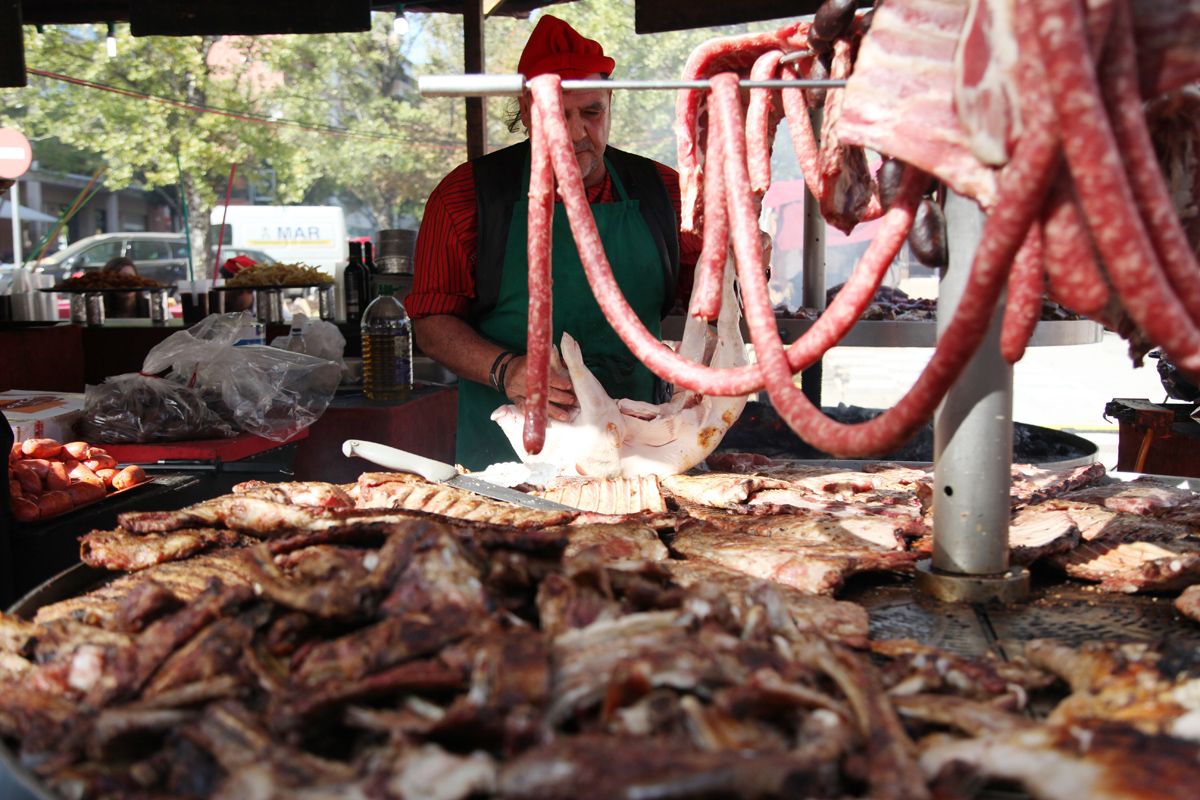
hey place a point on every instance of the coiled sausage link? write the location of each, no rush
(1104, 193)
(710, 267)
(1119, 82)
(1023, 306)
(759, 131)
(1023, 183)
(662, 360)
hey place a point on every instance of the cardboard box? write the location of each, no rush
(42, 415)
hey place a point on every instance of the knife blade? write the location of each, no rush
(440, 472)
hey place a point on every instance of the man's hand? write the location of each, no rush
(560, 396)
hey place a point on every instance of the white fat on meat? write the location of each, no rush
(607, 438)
(985, 92)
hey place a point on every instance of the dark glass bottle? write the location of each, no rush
(356, 285)
(369, 257)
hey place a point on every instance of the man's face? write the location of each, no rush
(588, 122)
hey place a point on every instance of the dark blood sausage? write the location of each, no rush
(833, 18)
(888, 177)
(928, 236)
(759, 130)
(818, 70)
(1073, 276)
(540, 330)
(1023, 306)
(1119, 80)
(710, 267)
(1104, 193)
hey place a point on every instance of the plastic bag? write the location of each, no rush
(269, 392)
(324, 340)
(145, 408)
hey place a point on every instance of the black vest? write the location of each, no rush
(499, 185)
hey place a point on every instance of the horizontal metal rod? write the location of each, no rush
(500, 85)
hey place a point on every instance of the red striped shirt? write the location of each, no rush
(444, 270)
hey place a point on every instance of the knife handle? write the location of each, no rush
(399, 460)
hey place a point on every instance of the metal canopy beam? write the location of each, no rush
(237, 17)
(656, 16)
(12, 46)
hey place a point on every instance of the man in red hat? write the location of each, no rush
(469, 302)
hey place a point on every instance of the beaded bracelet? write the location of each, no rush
(504, 373)
(493, 375)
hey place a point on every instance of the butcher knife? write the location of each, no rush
(439, 472)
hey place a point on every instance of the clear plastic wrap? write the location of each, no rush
(269, 392)
(146, 408)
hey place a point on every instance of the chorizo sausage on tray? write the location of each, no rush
(47, 478)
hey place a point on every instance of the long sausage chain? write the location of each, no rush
(731, 52)
(710, 267)
(1104, 191)
(1023, 306)
(837, 320)
(540, 323)
(1013, 230)
(1022, 183)
(1119, 81)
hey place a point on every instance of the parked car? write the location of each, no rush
(161, 256)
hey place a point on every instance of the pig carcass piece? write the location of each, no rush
(607, 438)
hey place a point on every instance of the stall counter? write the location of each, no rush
(423, 424)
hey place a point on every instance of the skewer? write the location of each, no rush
(794, 56)
(481, 85)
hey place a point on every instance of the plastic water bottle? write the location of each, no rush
(387, 350)
(295, 341)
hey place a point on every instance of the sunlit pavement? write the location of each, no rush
(1056, 387)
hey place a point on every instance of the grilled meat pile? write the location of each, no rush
(287, 641)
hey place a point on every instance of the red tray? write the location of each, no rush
(235, 449)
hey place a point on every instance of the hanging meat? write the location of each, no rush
(1033, 108)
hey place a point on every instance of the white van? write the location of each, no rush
(313, 235)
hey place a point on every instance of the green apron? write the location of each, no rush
(637, 266)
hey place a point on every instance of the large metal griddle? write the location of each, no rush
(1057, 608)
(16, 782)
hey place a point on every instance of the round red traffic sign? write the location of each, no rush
(15, 153)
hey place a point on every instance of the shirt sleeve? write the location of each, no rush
(689, 243)
(444, 266)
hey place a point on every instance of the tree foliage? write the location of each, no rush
(381, 147)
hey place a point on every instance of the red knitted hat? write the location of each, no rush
(554, 46)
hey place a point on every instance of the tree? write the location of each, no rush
(365, 82)
(333, 114)
(138, 139)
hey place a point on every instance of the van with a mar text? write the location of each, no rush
(313, 235)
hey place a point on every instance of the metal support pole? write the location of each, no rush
(476, 107)
(972, 449)
(814, 274)
(15, 199)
